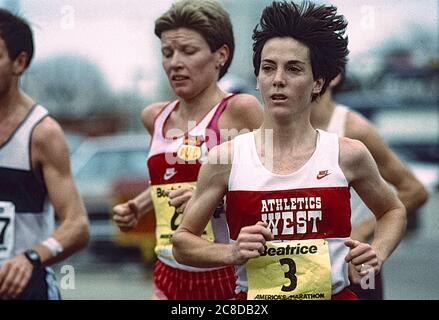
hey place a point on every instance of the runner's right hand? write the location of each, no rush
(250, 242)
(15, 274)
(179, 198)
(126, 215)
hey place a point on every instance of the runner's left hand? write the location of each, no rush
(361, 257)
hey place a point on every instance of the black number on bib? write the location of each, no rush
(290, 274)
(4, 222)
(174, 224)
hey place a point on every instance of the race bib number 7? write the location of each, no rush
(167, 218)
(7, 214)
(293, 270)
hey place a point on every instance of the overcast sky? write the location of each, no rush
(118, 34)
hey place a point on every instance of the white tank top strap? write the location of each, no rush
(22, 136)
(34, 117)
(243, 158)
(37, 114)
(328, 148)
(337, 123)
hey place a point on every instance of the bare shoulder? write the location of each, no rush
(244, 104)
(48, 131)
(353, 155)
(358, 127)
(221, 154)
(48, 141)
(243, 112)
(150, 113)
(244, 100)
(215, 172)
(362, 129)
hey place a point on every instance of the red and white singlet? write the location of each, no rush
(308, 212)
(174, 163)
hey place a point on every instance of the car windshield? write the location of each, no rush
(110, 164)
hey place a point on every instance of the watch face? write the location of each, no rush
(33, 257)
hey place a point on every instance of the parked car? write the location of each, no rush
(96, 164)
(74, 140)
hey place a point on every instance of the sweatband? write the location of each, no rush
(53, 245)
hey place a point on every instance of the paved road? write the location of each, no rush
(412, 270)
(104, 275)
(410, 273)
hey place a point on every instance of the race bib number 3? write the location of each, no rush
(7, 215)
(167, 219)
(293, 270)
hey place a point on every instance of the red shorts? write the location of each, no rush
(176, 284)
(345, 294)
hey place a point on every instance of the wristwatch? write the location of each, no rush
(33, 257)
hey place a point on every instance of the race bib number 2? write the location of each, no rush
(167, 219)
(293, 270)
(7, 214)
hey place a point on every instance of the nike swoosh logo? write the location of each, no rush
(323, 174)
(168, 175)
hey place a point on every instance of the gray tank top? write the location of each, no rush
(26, 216)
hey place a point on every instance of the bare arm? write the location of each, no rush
(364, 230)
(410, 190)
(362, 173)
(50, 156)
(127, 215)
(50, 153)
(188, 246)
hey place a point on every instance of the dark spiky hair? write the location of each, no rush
(317, 27)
